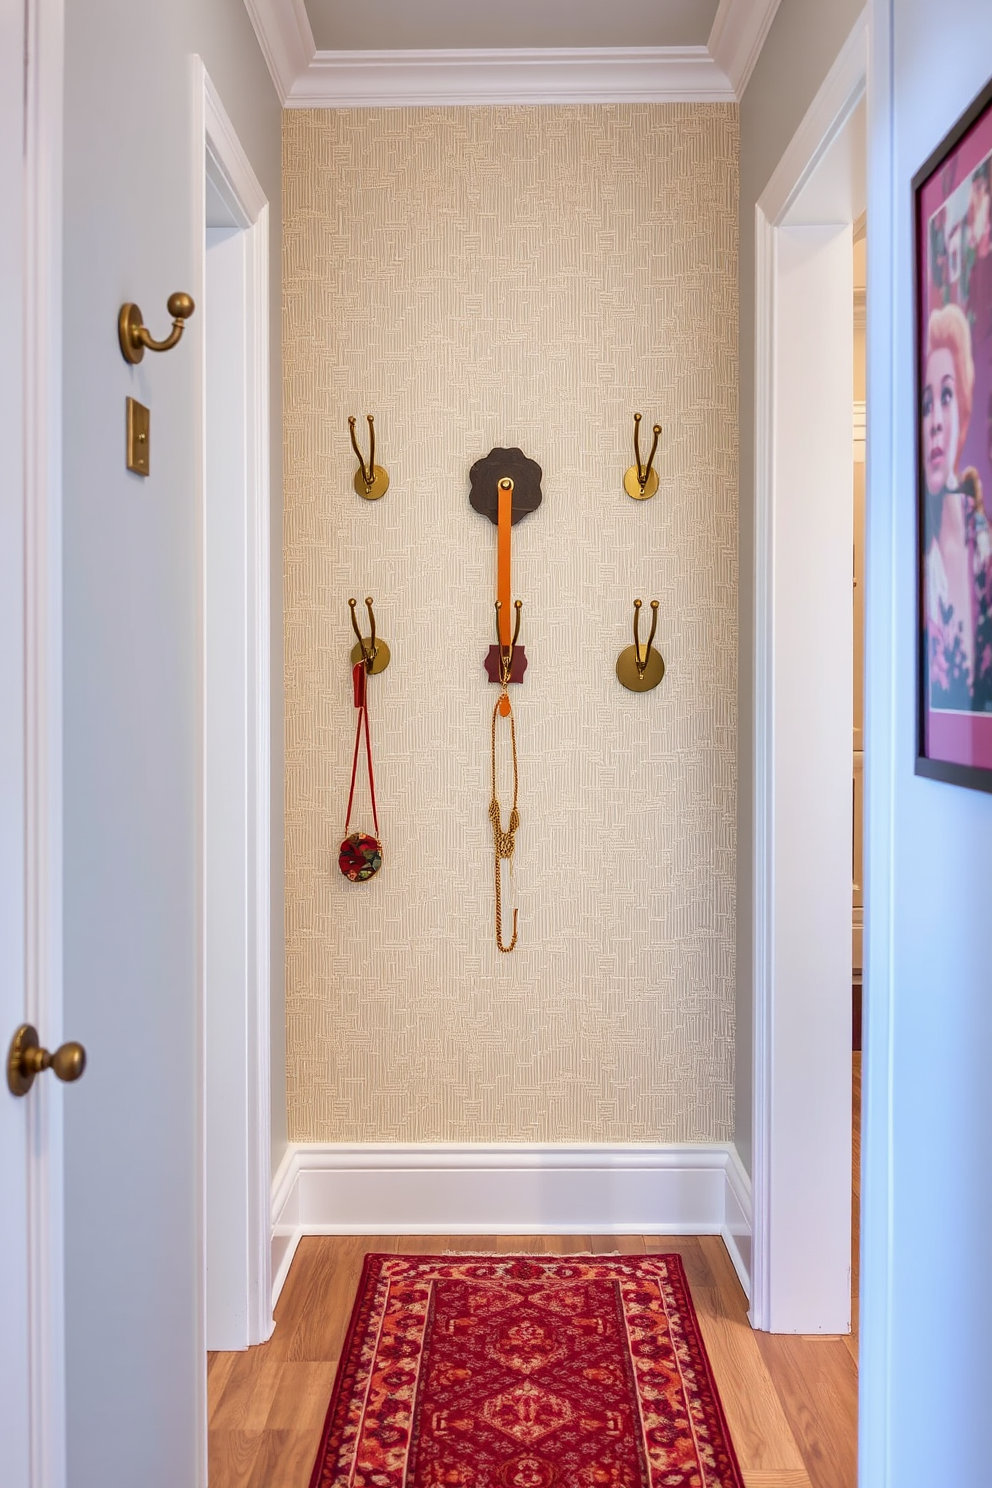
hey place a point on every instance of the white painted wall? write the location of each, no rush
(132, 554)
(926, 1370)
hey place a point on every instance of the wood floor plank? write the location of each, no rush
(300, 1396)
(285, 1460)
(758, 1425)
(316, 1303)
(817, 1385)
(220, 1367)
(618, 1244)
(694, 1258)
(777, 1480)
(231, 1456)
(470, 1244)
(243, 1404)
(423, 1244)
(724, 1275)
(572, 1245)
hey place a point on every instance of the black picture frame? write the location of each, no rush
(943, 177)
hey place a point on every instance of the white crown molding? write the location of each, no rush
(511, 75)
(737, 36)
(286, 39)
(510, 1189)
(307, 78)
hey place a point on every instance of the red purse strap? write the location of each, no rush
(360, 677)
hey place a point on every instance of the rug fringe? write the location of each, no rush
(529, 1255)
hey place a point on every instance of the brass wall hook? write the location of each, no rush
(506, 652)
(371, 481)
(641, 481)
(134, 336)
(641, 670)
(374, 653)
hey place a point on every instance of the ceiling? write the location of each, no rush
(341, 25)
(343, 54)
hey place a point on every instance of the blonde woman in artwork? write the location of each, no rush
(958, 542)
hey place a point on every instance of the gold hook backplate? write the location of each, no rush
(380, 658)
(379, 486)
(633, 487)
(632, 677)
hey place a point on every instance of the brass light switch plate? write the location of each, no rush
(139, 421)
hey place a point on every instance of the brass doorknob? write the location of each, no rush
(26, 1058)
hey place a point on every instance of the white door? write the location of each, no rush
(102, 1362)
(31, 1356)
(13, 1113)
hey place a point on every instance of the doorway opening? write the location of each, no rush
(801, 1277)
(233, 296)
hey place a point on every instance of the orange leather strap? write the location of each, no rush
(504, 520)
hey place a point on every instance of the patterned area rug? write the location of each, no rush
(513, 1371)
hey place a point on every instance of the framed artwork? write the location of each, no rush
(952, 198)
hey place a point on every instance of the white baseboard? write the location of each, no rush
(510, 1189)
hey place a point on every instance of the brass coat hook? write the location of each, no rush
(641, 670)
(374, 653)
(506, 652)
(134, 335)
(641, 481)
(371, 481)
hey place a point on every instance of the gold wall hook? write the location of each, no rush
(506, 652)
(371, 481)
(26, 1059)
(641, 481)
(134, 335)
(640, 670)
(373, 653)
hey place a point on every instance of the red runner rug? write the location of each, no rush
(513, 1371)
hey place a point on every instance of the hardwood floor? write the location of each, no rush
(791, 1402)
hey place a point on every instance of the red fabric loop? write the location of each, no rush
(362, 704)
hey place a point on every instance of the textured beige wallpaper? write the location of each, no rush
(513, 276)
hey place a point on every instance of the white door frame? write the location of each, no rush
(238, 849)
(802, 854)
(41, 881)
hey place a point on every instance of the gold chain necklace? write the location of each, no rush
(503, 842)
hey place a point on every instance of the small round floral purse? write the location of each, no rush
(360, 857)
